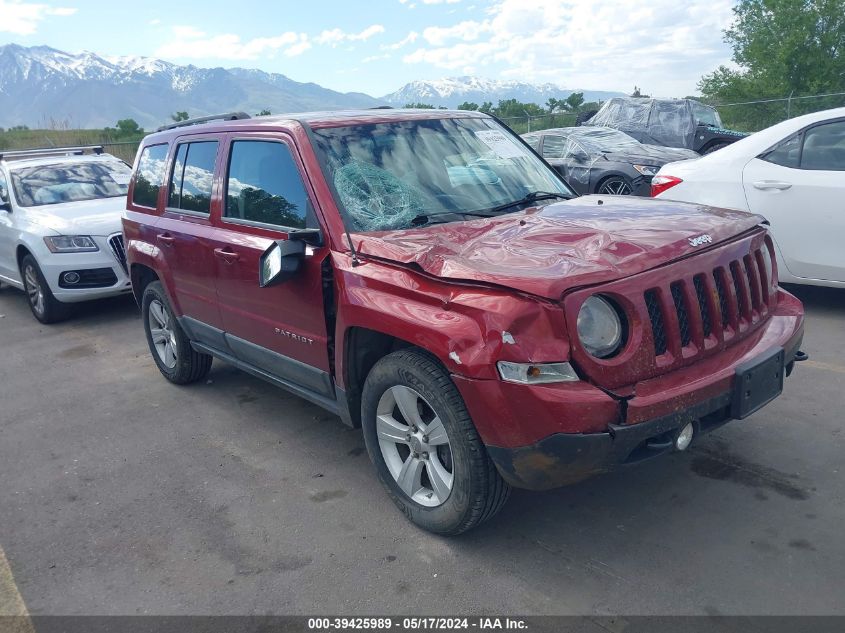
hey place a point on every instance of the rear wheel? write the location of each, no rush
(615, 186)
(170, 348)
(44, 305)
(425, 448)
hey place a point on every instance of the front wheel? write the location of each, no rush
(615, 186)
(44, 305)
(425, 448)
(170, 348)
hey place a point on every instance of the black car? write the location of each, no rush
(670, 122)
(603, 160)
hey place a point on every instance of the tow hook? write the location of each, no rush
(799, 357)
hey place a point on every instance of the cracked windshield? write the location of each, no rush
(403, 174)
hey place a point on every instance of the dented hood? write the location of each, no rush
(548, 250)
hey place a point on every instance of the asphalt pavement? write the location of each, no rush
(123, 494)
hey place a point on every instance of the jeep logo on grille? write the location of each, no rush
(701, 239)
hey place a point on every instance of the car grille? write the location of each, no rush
(681, 312)
(730, 298)
(116, 243)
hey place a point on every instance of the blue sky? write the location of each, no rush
(376, 46)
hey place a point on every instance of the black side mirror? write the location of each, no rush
(581, 157)
(5, 205)
(280, 262)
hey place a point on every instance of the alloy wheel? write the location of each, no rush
(162, 334)
(415, 446)
(615, 187)
(34, 289)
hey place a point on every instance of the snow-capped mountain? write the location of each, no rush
(452, 91)
(40, 85)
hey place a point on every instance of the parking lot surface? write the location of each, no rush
(123, 494)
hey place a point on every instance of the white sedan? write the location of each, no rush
(793, 174)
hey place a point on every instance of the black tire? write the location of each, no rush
(44, 305)
(615, 186)
(478, 492)
(188, 364)
(714, 147)
(583, 117)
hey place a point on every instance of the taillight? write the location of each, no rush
(659, 184)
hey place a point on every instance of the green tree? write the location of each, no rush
(637, 93)
(782, 48)
(574, 102)
(486, 107)
(129, 128)
(468, 105)
(179, 116)
(264, 112)
(420, 106)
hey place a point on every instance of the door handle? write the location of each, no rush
(772, 184)
(230, 257)
(165, 239)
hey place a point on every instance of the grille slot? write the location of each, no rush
(116, 243)
(703, 304)
(718, 276)
(681, 310)
(656, 316)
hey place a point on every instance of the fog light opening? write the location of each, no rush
(684, 438)
(71, 278)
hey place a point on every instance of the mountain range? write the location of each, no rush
(44, 87)
(453, 91)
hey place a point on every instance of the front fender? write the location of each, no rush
(468, 327)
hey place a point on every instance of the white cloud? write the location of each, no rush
(375, 58)
(408, 39)
(22, 18)
(411, 6)
(664, 46)
(154, 22)
(191, 43)
(336, 36)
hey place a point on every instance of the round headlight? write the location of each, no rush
(767, 262)
(599, 327)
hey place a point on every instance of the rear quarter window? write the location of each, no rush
(150, 176)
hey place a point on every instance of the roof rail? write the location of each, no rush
(228, 116)
(49, 151)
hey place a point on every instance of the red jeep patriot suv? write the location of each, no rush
(425, 275)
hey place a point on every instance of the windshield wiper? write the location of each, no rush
(430, 218)
(534, 196)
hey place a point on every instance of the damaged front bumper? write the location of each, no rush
(637, 428)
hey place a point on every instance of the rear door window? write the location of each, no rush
(264, 185)
(150, 176)
(192, 177)
(824, 147)
(786, 154)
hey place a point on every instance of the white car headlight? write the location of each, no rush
(536, 373)
(647, 170)
(599, 327)
(71, 244)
